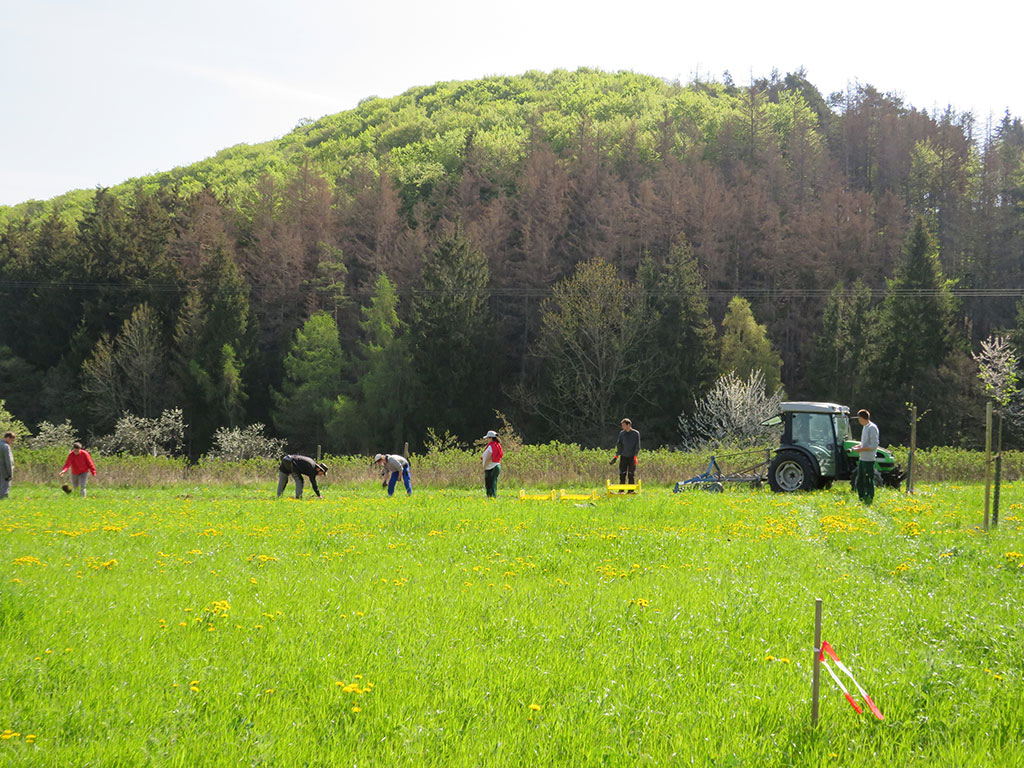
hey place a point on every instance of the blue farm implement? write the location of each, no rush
(714, 478)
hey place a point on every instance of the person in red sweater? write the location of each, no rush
(80, 463)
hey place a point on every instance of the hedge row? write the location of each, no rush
(554, 465)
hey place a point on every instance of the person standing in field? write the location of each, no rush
(626, 451)
(868, 450)
(295, 466)
(492, 463)
(81, 464)
(6, 463)
(397, 465)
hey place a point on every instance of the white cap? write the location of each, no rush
(377, 458)
(490, 433)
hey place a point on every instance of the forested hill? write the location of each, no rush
(564, 247)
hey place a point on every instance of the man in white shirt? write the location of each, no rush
(868, 450)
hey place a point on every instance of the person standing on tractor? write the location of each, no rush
(81, 464)
(492, 463)
(626, 450)
(867, 449)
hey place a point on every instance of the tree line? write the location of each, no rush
(565, 248)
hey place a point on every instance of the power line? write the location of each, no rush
(16, 286)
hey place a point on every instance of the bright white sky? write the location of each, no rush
(93, 92)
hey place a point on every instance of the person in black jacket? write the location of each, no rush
(296, 466)
(626, 450)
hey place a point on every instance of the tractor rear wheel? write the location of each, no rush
(791, 471)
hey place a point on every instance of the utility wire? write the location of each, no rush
(28, 286)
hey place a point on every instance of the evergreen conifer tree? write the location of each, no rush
(453, 335)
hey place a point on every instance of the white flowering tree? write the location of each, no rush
(731, 413)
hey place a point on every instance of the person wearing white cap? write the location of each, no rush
(397, 465)
(492, 463)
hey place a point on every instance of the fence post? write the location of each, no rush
(816, 676)
(999, 470)
(913, 449)
(988, 458)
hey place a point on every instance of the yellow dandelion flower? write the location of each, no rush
(356, 708)
(535, 707)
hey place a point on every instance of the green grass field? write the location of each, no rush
(193, 627)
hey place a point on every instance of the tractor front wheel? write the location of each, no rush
(790, 472)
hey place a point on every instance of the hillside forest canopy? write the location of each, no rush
(566, 248)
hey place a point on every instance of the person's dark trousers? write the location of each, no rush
(866, 481)
(491, 480)
(627, 468)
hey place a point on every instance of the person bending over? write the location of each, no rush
(81, 464)
(397, 465)
(296, 466)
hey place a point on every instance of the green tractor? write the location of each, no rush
(816, 449)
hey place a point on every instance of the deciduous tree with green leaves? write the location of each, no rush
(746, 347)
(595, 353)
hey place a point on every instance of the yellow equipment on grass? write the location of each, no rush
(564, 495)
(524, 496)
(614, 488)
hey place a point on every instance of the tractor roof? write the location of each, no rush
(803, 406)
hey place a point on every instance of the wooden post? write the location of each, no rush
(999, 472)
(405, 450)
(913, 449)
(816, 676)
(988, 458)
(318, 453)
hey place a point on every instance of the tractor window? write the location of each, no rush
(814, 430)
(842, 428)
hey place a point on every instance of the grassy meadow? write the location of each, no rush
(203, 626)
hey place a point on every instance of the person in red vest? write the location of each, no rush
(492, 463)
(81, 465)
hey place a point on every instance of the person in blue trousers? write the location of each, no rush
(397, 465)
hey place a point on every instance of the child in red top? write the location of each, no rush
(81, 465)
